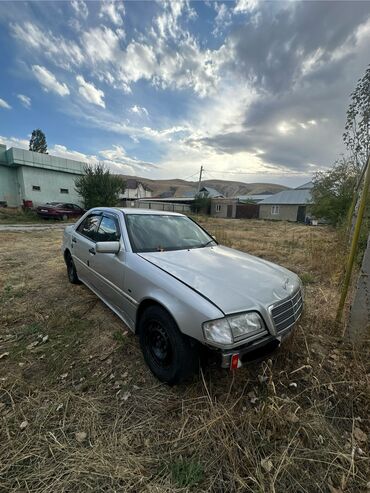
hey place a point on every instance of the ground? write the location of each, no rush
(81, 412)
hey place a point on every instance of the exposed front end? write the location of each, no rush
(276, 323)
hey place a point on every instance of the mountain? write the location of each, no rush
(178, 188)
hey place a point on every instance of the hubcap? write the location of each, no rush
(159, 344)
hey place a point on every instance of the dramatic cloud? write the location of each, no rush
(48, 81)
(246, 88)
(25, 100)
(90, 93)
(4, 104)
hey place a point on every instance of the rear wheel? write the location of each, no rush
(171, 356)
(71, 270)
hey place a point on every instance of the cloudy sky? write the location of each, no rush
(253, 91)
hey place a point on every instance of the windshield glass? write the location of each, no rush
(158, 233)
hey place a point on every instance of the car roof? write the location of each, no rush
(131, 210)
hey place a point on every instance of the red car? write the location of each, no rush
(59, 210)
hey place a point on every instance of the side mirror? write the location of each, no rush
(107, 247)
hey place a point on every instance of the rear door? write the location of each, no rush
(109, 267)
(83, 247)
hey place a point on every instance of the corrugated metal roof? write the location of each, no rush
(257, 197)
(296, 197)
(212, 192)
(305, 186)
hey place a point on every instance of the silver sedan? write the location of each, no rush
(179, 290)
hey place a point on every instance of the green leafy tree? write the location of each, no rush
(98, 187)
(201, 204)
(333, 191)
(38, 142)
(357, 129)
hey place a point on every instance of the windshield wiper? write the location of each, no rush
(208, 242)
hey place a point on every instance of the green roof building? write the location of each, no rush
(27, 175)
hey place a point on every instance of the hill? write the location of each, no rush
(226, 187)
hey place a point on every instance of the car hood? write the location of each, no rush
(232, 280)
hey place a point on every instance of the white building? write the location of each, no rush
(135, 189)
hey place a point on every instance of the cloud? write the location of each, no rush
(80, 8)
(90, 93)
(4, 104)
(246, 6)
(223, 18)
(112, 10)
(48, 81)
(25, 100)
(139, 110)
(61, 52)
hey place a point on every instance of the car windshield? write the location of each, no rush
(158, 233)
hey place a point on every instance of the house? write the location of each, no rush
(288, 205)
(36, 177)
(233, 208)
(135, 189)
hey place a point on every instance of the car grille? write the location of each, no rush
(287, 312)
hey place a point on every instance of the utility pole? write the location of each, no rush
(200, 177)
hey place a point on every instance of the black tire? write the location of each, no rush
(171, 356)
(71, 270)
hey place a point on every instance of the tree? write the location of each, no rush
(201, 204)
(38, 142)
(98, 187)
(333, 191)
(357, 129)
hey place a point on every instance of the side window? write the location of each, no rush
(89, 227)
(108, 229)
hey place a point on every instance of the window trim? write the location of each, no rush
(116, 220)
(99, 213)
(275, 210)
(218, 207)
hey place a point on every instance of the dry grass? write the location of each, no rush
(98, 421)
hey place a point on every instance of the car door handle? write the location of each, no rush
(92, 250)
(74, 240)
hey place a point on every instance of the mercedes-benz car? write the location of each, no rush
(179, 290)
(59, 210)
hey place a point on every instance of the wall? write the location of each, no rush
(223, 203)
(50, 183)
(288, 212)
(9, 186)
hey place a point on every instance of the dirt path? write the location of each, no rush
(31, 227)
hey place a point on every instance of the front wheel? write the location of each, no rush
(71, 270)
(171, 356)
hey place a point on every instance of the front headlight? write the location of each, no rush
(218, 331)
(233, 328)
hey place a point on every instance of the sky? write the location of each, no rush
(253, 91)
